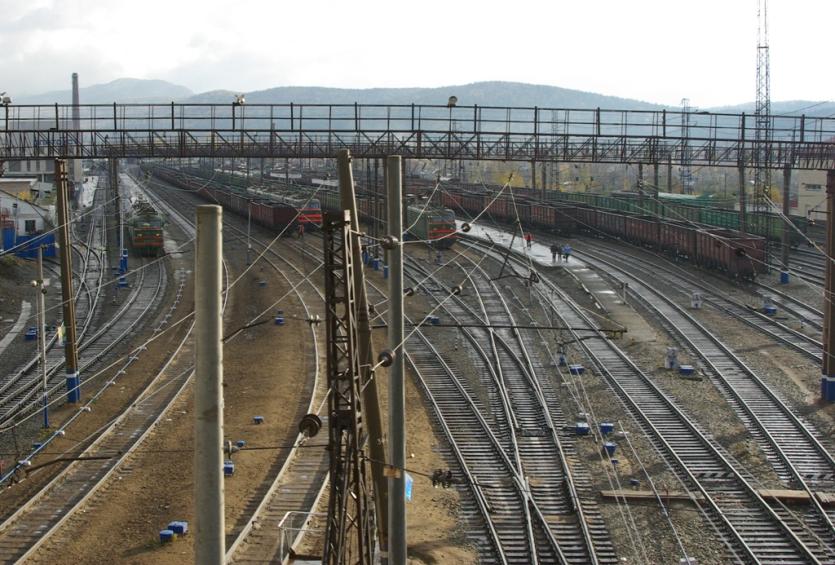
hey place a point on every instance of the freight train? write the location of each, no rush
(145, 229)
(765, 224)
(554, 218)
(433, 224)
(293, 211)
(737, 254)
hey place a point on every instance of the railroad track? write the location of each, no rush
(807, 314)
(34, 522)
(790, 444)
(149, 283)
(300, 477)
(18, 388)
(684, 283)
(525, 437)
(749, 526)
(807, 265)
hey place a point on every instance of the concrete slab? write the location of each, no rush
(17, 328)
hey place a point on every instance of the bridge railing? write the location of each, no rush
(519, 133)
(413, 117)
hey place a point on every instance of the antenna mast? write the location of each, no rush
(762, 112)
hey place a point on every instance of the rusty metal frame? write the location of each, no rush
(349, 537)
(414, 131)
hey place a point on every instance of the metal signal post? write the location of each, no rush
(349, 535)
(67, 294)
(368, 385)
(41, 289)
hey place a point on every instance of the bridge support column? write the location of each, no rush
(828, 377)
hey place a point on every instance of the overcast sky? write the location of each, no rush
(658, 51)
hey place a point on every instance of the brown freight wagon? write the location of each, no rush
(611, 223)
(739, 255)
(642, 230)
(678, 238)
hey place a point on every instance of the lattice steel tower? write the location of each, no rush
(685, 171)
(762, 111)
(349, 535)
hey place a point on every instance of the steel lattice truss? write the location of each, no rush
(350, 534)
(415, 131)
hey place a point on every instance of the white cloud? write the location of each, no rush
(650, 50)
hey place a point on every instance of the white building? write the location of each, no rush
(42, 170)
(811, 195)
(27, 218)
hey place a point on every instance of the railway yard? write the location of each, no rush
(616, 403)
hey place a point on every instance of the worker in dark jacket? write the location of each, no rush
(555, 250)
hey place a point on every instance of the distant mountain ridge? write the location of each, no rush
(488, 93)
(492, 93)
(120, 90)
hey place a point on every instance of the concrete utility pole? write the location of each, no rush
(67, 294)
(828, 378)
(397, 392)
(742, 211)
(641, 197)
(41, 289)
(248, 231)
(669, 174)
(119, 226)
(370, 401)
(787, 227)
(210, 542)
(655, 180)
(533, 175)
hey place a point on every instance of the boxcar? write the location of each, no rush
(586, 219)
(239, 204)
(739, 255)
(677, 238)
(545, 216)
(611, 223)
(473, 203)
(565, 219)
(641, 229)
(501, 209)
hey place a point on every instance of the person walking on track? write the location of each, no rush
(566, 252)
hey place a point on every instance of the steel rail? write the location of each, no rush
(807, 346)
(814, 458)
(751, 526)
(505, 357)
(531, 375)
(301, 465)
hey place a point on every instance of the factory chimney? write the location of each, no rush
(76, 169)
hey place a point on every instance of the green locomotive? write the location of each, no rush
(145, 229)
